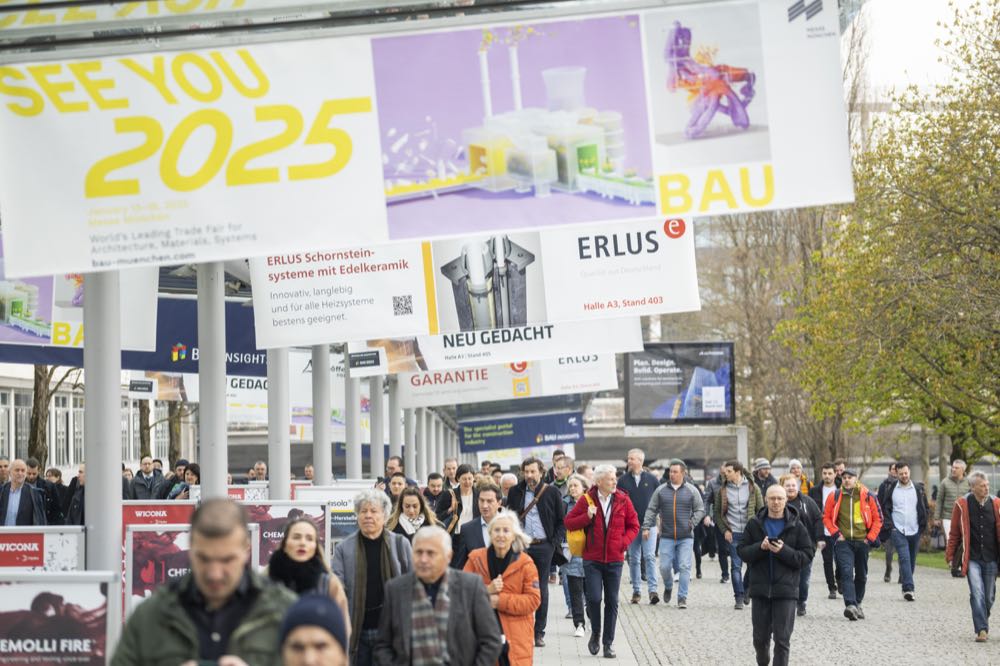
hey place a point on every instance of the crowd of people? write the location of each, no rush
(459, 572)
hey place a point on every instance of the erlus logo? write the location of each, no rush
(802, 7)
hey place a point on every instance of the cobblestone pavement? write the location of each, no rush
(934, 629)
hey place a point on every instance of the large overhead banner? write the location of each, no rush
(644, 267)
(189, 156)
(520, 431)
(513, 381)
(345, 141)
(473, 349)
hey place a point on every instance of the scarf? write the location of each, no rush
(299, 577)
(498, 565)
(411, 525)
(429, 635)
(361, 584)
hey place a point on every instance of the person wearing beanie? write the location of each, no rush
(314, 633)
(762, 475)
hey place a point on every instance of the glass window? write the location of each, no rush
(59, 441)
(161, 433)
(78, 430)
(126, 452)
(22, 422)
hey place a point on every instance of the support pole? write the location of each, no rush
(425, 453)
(352, 421)
(322, 406)
(423, 417)
(439, 446)
(411, 424)
(102, 363)
(279, 452)
(742, 449)
(212, 433)
(395, 422)
(377, 402)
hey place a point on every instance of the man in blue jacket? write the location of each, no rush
(640, 486)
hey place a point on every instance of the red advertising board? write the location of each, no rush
(165, 512)
(22, 550)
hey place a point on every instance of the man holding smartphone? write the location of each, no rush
(776, 545)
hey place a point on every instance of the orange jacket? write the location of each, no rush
(960, 526)
(520, 598)
(871, 513)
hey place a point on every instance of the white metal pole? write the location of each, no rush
(322, 406)
(352, 421)
(395, 422)
(279, 452)
(420, 472)
(411, 424)
(102, 407)
(212, 432)
(376, 414)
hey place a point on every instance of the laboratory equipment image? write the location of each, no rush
(21, 304)
(514, 126)
(707, 86)
(489, 280)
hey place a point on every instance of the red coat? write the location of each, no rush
(605, 545)
(960, 527)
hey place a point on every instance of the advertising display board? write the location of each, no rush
(645, 267)
(513, 381)
(474, 349)
(197, 155)
(520, 431)
(42, 548)
(271, 518)
(680, 383)
(59, 618)
(512, 458)
(156, 554)
(340, 505)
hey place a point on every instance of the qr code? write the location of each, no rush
(402, 305)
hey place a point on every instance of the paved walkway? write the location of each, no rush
(935, 629)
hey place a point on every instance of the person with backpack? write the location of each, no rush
(573, 576)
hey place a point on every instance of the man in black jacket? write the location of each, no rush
(640, 487)
(53, 505)
(819, 494)
(887, 546)
(904, 519)
(776, 545)
(148, 481)
(540, 509)
(810, 516)
(21, 503)
(474, 533)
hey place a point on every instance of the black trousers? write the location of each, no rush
(831, 570)
(723, 547)
(576, 599)
(772, 617)
(541, 555)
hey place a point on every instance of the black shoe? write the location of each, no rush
(738, 605)
(832, 595)
(666, 594)
(609, 652)
(594, 644)
(801, 610)
(539, 641)
(698, 575)
(860, 612)
(908, 595)
(851, 613)
(887, 577)
(724, 580)
(654, 598)
(746, 599)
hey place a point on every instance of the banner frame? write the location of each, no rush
(80, 530)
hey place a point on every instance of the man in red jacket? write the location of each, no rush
(611, 524)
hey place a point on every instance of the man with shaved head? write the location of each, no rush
(21, 503)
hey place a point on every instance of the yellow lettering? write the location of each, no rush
(8, 19)
(157, 77)
(675, 186)
(768, 197)
(263, 85)
(78, 338)
(152, 8)
(179, 7)
(60, 333)
(80, 14)
(82, 71)
(36, 101)
(215, 83)
(36, 17)
(716, 189)
(55, 89)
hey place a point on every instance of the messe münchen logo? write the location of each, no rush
(802, 7)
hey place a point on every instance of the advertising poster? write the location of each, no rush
(339, 501)
(158, 554)
(51, 619)
(747, 108)
(519, 126)
(520, 431)
(680, 383)
(512, 458)
(271, 518)
(513, 381)
(191, 156)
(163, 512)
(493, 347)
(48, 548)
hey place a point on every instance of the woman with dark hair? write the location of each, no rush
(299, 564)
(192, 477)
(464, 504)
(411, 513)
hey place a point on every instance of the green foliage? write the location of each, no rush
(902, 322)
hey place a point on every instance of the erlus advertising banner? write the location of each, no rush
(190, 156)
(513, 381)
(473, 349)
(53, 619)
(485, 282)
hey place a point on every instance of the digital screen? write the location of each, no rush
(680, 383)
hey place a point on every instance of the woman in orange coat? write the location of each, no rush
(512, 582)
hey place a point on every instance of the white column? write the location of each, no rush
(439, 446)
(212, 433)
(377, 407)
(279, 452)
(352, 422)
(322, 406)
(102, 407)
(411, 424)
(423, 440)
(395, 422)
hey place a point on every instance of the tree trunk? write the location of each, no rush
(38, 431)
(144, 428)
(174, 412)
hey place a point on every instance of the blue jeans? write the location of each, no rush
(736, 567)
(982, 579)
(852, 558)
(602, 578)
(365, 656)
(906, 549)
(638, 549)
(804, 575)
(676, 554)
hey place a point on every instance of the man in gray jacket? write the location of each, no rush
(679, 507)
(951, 489)
(734, 504)
(365, 562)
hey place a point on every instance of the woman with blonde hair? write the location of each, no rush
(573, 576)
(511, 580)
(411, 513)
